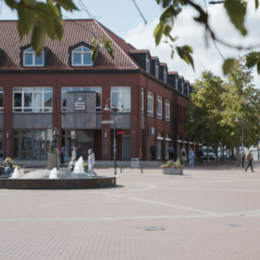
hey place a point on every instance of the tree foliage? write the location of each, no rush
(216, 105)
(44, 19)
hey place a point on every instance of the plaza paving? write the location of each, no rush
(211, 212)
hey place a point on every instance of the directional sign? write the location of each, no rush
(108, 122)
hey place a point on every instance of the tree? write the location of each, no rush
(45, 19)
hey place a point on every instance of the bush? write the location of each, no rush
(171, 164)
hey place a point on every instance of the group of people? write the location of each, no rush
(183, 157)
(91, 160)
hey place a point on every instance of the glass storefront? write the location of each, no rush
(31, 144)
(81, 139)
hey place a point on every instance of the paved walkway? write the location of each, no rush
(211, 212)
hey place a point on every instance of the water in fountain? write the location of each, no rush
(79, 167)
(15, 174)
(53, 174)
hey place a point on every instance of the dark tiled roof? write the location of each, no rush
(75, 31)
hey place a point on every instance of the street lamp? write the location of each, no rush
(243, 127)
(114, 109)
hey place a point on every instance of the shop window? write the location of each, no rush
(1, 100)
(98, 90)
(81, 57)
(142, 100)
(121, 96)
(32, 100)
(31, 59)
(159, 107)
(167, 110)
(159, 145)
(31, 144)
(150, 104)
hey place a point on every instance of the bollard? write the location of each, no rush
(121, 169)
(141, 169)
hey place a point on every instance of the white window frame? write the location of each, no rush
(147, 63)
(150, 104)
(159, 107)
(96, 89)
(167, 110)
(33, 91)
(121, 91)
(156, 70)
(82, 57)
(142, 100)
(165, 75)
(2, 92)
(34, 55)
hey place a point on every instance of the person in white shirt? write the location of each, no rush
(73, 154)
(91, 162)
(72, 164)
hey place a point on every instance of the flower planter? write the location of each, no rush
(173, 171)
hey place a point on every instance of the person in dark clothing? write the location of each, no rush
(153, 151)
(171, 152)
(201, 156)
(62, 154)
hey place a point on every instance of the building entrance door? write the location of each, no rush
(126, 148)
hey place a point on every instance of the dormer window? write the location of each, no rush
(176, 83)
(31, 59)
(147, 63)
(81, 57)
(182, 87)
(156, 70)
(188, 91)
(165, 75)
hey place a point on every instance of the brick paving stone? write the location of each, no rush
(211, 212)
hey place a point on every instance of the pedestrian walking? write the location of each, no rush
(91, 163)
(201, 156)
(153, 151)
(183, 156)
(171, 152)
(62, 154)
(73, 153)
(249, 159)
(191, 157)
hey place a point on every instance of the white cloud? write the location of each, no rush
(193, 34)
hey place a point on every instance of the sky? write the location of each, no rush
(122, 17)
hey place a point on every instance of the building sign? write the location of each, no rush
(135, 162)
(124, 132)
(80, 105)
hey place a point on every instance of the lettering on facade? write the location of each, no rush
(79, 105)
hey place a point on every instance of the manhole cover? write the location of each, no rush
(150, 228)
(233, 225)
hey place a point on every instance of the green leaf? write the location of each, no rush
(68, 5)
(228, 65)
(173, 39)
(165, 3)
(94, 53)
(258, 68)
(172, 54)
(180, 52)
(11, 3)
(26, 15)
(236, 9)
(109, 48)
(158, 1)
(252, 59)
(38, 37)
(256, 4)
(187, 48)
(158, 32)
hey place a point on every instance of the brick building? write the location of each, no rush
(63, 88)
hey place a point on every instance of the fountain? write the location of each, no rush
(53, 174)
(15, 174)
(55, 178)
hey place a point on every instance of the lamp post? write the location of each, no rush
(114, 109)
(243, 127)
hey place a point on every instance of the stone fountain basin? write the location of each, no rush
(66, 180)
